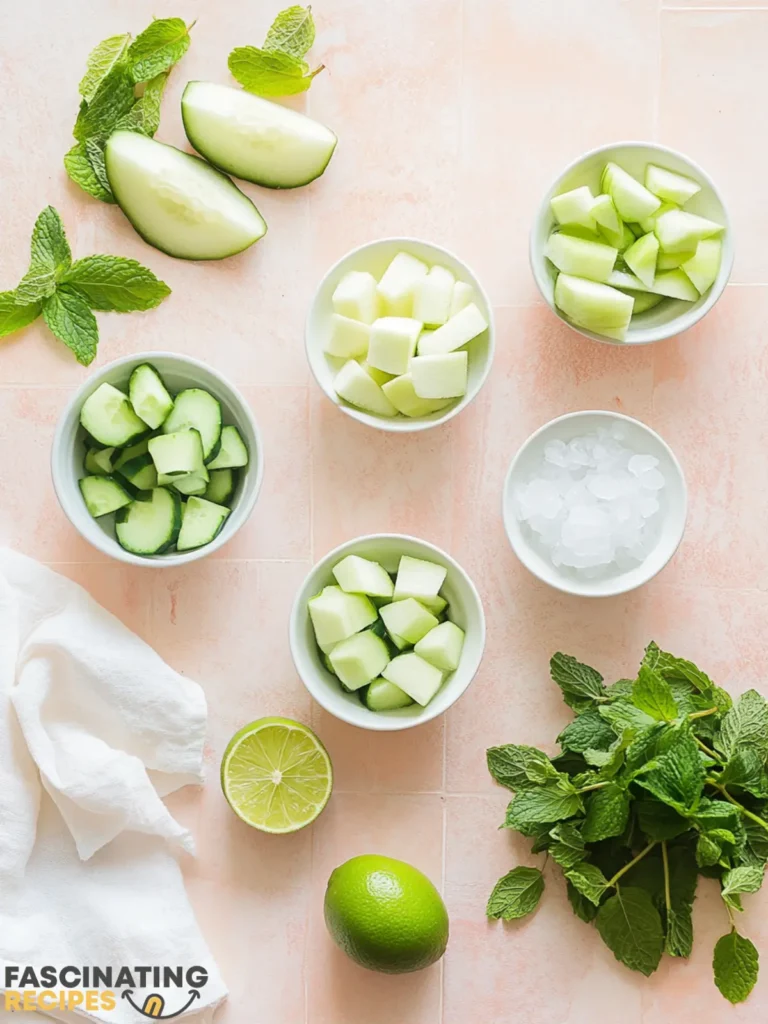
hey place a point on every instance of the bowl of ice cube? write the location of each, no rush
(387, 632)
(595, 503)
(632, 243)
(400, 334)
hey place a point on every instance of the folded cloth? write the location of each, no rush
(94, 730)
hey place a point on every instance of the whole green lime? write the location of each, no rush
(386, 915)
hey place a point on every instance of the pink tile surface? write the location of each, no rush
(453, 116)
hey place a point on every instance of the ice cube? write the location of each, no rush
(640, 464)
(652, 480)
(604, 486)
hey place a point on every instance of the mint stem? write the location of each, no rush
(665, 861)
(708, 751)
(595, 785)
(635, 860)
(703, 714)
(747, 814)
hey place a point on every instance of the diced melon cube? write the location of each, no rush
(649, 223)
(677, 188)
(621, 240)
(644, 301)
(379, 376)
(348, 339)
(626, 281)
(402, 394)
(358, 388)
(443, 376)
(465, 325)
(703, 267)
(359, 659)
(578, 256)
(678, 230)
(676, 285)
(408, 619)
(641, 258)
(432, 296)
(355, 297)
(463, 294)
(415, 676)
(398, 641)
(436, 605)
(670, 260)
(393, 342)
(336, 615)
(395, 289)
(442, 646)
(574, 207)
(419, 578)
(605, 213)
(597, 307)
(357, 575)
(633, 201)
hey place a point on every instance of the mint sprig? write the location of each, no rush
(66, 293)
(278, 68)
(659, 779)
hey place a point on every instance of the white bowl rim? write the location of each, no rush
(382, 722)
(572, 587)
(114, 550)
(404, 424)
(686, 321)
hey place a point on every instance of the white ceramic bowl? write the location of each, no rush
(375, 257)
(464, 608)
(673, 316)
(178, 372)
(675, 503)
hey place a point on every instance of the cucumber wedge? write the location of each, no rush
(232, 454)
(254, 139)
(149, 396)
(382, 695)
(221, 486)
(195, 409)
(103, 494)
(177, 202)
(99, 461)
(149, 527)
(201, 522)
(108, 416)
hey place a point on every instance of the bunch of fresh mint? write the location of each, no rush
(122, 89)
(660, 779)
(66, 293)
(278, 68)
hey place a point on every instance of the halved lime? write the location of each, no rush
(276, 775)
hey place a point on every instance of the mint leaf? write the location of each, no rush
(683, 876)
(292, 31)
(49, 257)
(670, 668)
(657, 821)
(746, 724)
(68, 316)
(679, 778)
(653, 695)
(95, 153)
(756, 843)
(15, 315)
(744, 879)
(100, 62)
(589, 731)
(157, 48)
(568, 849)
(114, 97)
(144, 115)
(736, 964)
(607, 814)
(520, 767)
(630, 926)
(582, 686)
(114, 283)
(589, 880)
(708, 850)
(79, 169)
(583, 908)
(516, 894)
(553, 802)
(623, 714)
(270, 72)
(746, 769)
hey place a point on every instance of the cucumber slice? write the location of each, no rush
(358, 388)
(644, 301)
(336, 615)
(99, 461)
(108, 416)
(177, 202)
(201, 521)
(194, 484)
(221, 486)
(132, 451)
(676, 188)
(419, 578)
(177, 455)
(676, 285)
(385, 696)
(432, 297)
(197, 409)
(460, 329)
(597, 307)
(703, 267)
(575, 207)
(355, 297)
(415, 676)
(359, 659)
(591, 260)
(626, 281)
(233, 454)
(641, 258)
(103, 494)
(678, 230)
(670, 260)
(395, 289)
(254, 139)
(402, 395)
(349, 339)
(442, 646)
(463, 294)
(356, 575)
(393, 343)
(443, 376)
(149, 527)
(140, 472)
(149, 396)
(633, 201)
(407, 619)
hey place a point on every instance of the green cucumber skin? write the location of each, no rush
(122, 514)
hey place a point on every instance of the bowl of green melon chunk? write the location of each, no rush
(632, 244)
(387, 632)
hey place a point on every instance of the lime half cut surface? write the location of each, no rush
(276, 775)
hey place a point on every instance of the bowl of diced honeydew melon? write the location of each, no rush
(632, 244)
(400, 334)
(387, 632)
(157, 459)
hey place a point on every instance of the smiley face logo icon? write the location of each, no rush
(154, 1004)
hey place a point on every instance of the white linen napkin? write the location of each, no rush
(94, 730)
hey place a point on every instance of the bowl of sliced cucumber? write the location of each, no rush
(400, 334)
(387, 632)
(632, 244)
(157, 460)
